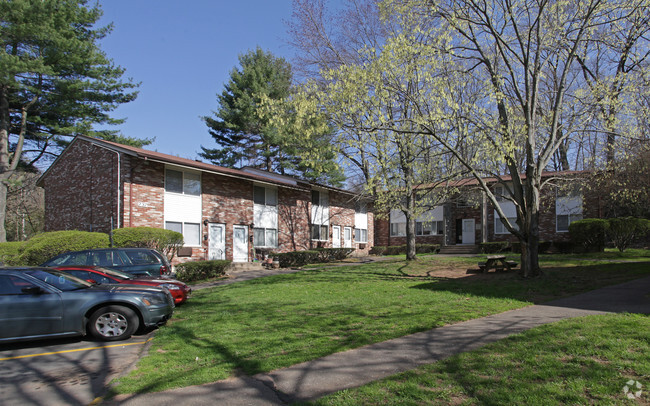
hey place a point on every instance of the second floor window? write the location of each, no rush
(265, 196)
(186, 183)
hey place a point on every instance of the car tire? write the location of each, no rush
(113, 323)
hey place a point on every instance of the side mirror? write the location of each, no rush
(32, 290)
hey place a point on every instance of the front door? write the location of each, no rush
(347, 237)
(469, 231)
(240, 244)
(336, 236)
(216, 241)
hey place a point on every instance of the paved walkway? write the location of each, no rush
(314, 379)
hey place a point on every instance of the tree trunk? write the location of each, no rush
(3, 208)
(410, 237)
(530, 243)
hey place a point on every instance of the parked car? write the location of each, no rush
(136, 261)
(44, 303)
(101, 275)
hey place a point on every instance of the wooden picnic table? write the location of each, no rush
(496, 262)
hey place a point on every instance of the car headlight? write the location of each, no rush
(170, 286)
(151, 300)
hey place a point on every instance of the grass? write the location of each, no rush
(278, 321)
(587, 360)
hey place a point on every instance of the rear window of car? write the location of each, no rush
(73, 258)
(142, 257)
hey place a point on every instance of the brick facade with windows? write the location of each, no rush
(94, 180)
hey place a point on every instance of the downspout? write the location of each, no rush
(119, 178)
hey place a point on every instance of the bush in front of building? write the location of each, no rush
(44, 246)
(589, 234)
(544, 247)
(623, 231)
(10, 252)
(165, 241)
(200, 270)
(494, 247)
(401, 249)
(320, 255)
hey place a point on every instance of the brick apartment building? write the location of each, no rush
(469, 221)
(222, 213)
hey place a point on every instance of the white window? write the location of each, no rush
(499, 193)
(265, 196)
(563, 221)
(428, 228)
(360, 235)
(319, 232)
(265, 237)
(319, 198)
(181, 182)
(191, 231)
(568, 207)
(500, 228)
(397, 229)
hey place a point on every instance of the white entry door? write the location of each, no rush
(347, 237)
(469, 231)
(240, 244)
(216, 241)
(336, 236)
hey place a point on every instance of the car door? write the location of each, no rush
(28, 314)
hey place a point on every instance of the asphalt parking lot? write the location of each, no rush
(63, 372)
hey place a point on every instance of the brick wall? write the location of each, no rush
(81, 190)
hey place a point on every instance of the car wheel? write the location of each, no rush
(112, 323)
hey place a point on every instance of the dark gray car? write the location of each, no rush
(44, 303)
(136, 261)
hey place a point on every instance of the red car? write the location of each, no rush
(98, 274)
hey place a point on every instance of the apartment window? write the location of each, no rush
(186, 183)
(428, 228)
(265, 237)
(191, 231)
(563, 221)
(397, 229)
(319, 232)
(499, 193)
(500, 228)
(319, 198)
(265, 196)
(360, 235)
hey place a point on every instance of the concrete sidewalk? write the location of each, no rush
(314, 379)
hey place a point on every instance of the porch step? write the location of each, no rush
(245, 266)
(459, 249)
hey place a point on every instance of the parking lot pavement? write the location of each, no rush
(63, 372)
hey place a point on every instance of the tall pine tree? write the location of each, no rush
(248, 135)
(55, 82)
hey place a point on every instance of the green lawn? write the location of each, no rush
(580, 361)
(274, 322)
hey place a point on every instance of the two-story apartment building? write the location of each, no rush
(469, 221)
(223, 213)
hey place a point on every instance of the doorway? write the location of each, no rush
(216, 241)
(240, 244)
(336, 236)
(469, 231)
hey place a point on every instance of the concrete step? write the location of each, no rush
(245, 266)
(459, 249)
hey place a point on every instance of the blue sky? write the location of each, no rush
(183, 52)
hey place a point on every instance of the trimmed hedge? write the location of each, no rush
(494, 247)
(10, 252)
(624, 230)
(544, 247)
(199, 270)
(164, 241)
(589, 233)
(300, 258)
(44, 246)
(401, 249)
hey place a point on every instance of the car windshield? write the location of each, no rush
(115, 273)
(58, 279)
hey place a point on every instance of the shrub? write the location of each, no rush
(199, 270)
(401, 249)
(10, 252)
(44, 246)
(166, 241)
(623, 231)
(493, 247)
(564, 247)
(589, 234)
(545, 246)
(300, 258)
